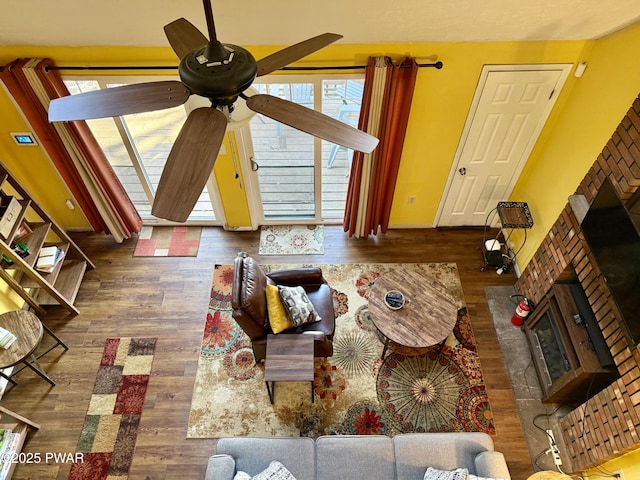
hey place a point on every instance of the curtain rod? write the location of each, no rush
(437, 65)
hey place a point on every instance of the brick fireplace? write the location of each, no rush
(608, 424)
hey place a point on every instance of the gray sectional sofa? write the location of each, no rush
(355, 457)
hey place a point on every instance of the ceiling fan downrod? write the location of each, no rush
(211, 26)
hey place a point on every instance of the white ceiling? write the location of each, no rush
(281, 22)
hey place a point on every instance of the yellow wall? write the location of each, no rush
(586, 113)
(33, 168)
(9, 300)
(575, 137)
(440, 106)
(628, 464)
(232, 189)
(441, 103)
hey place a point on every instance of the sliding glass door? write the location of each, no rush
(137, 147)
(297, 177)
(302, 178)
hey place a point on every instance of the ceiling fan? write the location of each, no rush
(222, 73)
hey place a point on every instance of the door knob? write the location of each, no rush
(462, 171)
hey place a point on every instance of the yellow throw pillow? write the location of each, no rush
(278, 318)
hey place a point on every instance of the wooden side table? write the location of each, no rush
(29, 331)
(289, 359)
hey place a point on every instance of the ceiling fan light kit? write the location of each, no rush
(223, 74)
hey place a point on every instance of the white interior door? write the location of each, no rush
(509, 109)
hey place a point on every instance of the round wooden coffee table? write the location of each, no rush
(427, 317)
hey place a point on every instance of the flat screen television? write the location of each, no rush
(614, 239)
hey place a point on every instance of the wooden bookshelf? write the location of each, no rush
(38, 288)
(19, 425)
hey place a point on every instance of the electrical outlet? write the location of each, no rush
(411, 200)
(553, 448)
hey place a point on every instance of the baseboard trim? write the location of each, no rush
(399, 226)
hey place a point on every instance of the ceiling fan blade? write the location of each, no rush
(112, 102)
(184, 37)
(189, 164)
(312, 122)
(288, 55)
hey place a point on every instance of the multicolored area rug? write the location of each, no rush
(356, 393)
(168, 242)
(291, 240)
(110, 429)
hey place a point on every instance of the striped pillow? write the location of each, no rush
(457, 474)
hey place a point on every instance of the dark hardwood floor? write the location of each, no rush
(168, 297)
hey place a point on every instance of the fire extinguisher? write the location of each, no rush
(522, 311)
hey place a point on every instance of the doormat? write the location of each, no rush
(291, 240)
(355, 392)
(110, 429)
(168, 242)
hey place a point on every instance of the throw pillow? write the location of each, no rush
(475, 477)
(275, 471)
(278, 318)
(457, 474)
(298, 306)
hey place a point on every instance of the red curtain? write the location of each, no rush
(386, 103)
(72, 148)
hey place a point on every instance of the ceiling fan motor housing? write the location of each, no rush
(219, 72)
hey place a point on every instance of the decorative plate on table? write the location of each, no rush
(394, 300)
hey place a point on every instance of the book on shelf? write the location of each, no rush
(23, 231)
(48, 258)
(11, 445)
(6, 338)
(5, 434)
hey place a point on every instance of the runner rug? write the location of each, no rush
(355, 393)
(110, 429)
(291, 240)
(168, 242)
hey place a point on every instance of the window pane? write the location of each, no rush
(145, 141)
(153, 134)
(285, 156)
(341, 99)
(107, 135)
(109, 139)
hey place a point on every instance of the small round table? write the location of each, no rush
(427, 317)
(28, 330)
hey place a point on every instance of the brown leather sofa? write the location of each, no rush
(249, 302)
